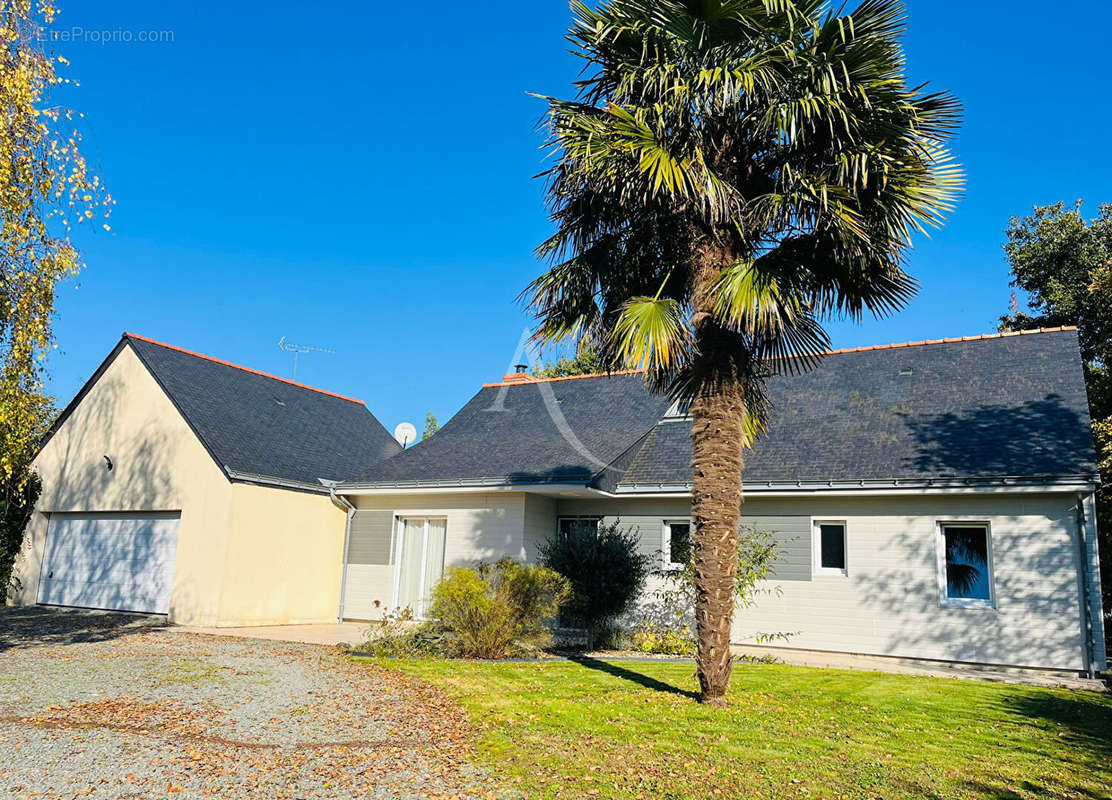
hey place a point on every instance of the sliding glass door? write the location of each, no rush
(420, 561)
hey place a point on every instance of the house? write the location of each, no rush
(932, 500)
(176, 483)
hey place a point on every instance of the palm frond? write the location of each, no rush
(652, 332)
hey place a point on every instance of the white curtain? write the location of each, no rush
(409, 575)
(422, 562)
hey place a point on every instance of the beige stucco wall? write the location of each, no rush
(158, 465)
(246, 554)
(283, 560)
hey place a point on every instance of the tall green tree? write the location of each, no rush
(1064, 264)
(46, 191)
(729, 175)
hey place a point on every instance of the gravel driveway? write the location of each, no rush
(113, 706)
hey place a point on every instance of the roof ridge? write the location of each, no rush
(950, 340)
(866, 348)
(222, 362)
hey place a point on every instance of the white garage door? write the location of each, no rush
(123, 562)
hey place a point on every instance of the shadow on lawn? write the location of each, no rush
(635, 677)
(1047, 787)
(1084, 718)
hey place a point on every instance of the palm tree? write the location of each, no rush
(731, 174)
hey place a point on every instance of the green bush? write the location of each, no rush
(610, 634)
(423, 640)
(606, 570)
(497, 610)
(399, 636)
(660, 640)
(17, 499)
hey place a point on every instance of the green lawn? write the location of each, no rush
(632, 729)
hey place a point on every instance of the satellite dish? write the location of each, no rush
(405, 434)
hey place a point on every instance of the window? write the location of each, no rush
(566, 525)
(965, 565)
(420, 545)
(830, 548)
(680, 409)
(677, 543)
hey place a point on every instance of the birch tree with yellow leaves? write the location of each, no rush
(47, 192)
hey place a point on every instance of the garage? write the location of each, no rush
(242, 462)
(123, 562)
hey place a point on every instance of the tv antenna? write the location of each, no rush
(299, 349)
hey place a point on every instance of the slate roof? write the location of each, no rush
(562, 431)
(982, 408)
(259, 425)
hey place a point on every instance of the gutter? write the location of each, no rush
(270, 480)
(769, 489)
(1092, 631)
(456, 486)
(345, 504)
(878, 486)
(1086, 604)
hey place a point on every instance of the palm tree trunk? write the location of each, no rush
(718, 415)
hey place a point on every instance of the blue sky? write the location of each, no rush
(359, 176)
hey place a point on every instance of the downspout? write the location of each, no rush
(1086, 600)
(345, 504)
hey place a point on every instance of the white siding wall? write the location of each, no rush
(540, 522)
(889, 603)
(480, 527)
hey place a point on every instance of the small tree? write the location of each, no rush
(605, 568)
(431, 426)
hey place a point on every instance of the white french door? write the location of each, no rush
(420, 549)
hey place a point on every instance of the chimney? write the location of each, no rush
(519, 375)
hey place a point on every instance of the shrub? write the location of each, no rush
(610, 634)
(666, 623)
(423, 640)
(17, 499)
(498, 609)
(606, 571)
(399, 636)
(663, 641)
